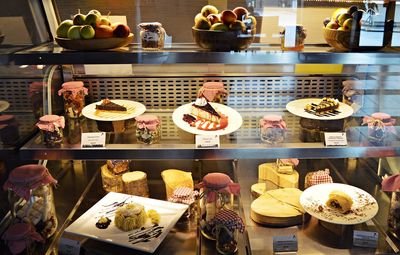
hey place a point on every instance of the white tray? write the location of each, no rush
(86, 224)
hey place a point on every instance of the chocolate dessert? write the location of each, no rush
(107, 105)
(326, 105)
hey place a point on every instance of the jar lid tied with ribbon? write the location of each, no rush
(216, 183)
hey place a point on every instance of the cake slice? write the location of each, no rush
(107, 105)
(203, 109)
(326, 105)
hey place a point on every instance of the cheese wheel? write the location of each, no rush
(111, 182)
(258, 189)
(135, 183)
(279, 207)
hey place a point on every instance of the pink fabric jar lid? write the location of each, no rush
(380, 116)
(50, 122)
(211, 89)
(272, 118)
(272, 121)
(214, 183)
(216, 180)
(213, 85)
(73, 86)
(147, 121)
(7, 119)
(24, 178)
(19, 236)
(293, 161)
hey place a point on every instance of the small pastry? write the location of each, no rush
(340, 201)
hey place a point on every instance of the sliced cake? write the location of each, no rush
(203, 109)
(107, 105)
(326, 105)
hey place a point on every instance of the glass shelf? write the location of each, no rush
(183, 53)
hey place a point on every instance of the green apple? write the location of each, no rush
(104, 21)
(237, 25)
(342, 18)
(87, 32)
(347, 25)
(208, 9)
(92, 19)
(219, 27)
(202, 23)
(79, 19)
(95, 12)
(74, 32)
(62, 30)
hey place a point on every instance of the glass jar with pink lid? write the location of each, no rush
(148, 129)
(272, 129)
(380, 128)
(51, 128)
(21, 237)
(74, 98)
(213, 92)
(33, 183)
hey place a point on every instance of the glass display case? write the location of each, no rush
(320, 82)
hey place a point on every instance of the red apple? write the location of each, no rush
(227, 17)
(241, 13)
(121, 30)
(214, 18)
(332, 25)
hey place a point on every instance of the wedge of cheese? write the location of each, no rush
(269, 172)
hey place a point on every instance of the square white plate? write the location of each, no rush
(86, 224)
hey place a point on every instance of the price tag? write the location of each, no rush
(207, 141)
(68, 246)
(335, 139)
(367, 239)
(93, 140)
(285, 243)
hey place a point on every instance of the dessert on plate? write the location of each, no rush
(203, 116)
(340, 201)
(327, 104)
(108, 105)
(130, 216)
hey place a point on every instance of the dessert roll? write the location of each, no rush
(340, 201)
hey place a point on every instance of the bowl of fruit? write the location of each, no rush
(225, 31)
(92, 32)
(342, 30)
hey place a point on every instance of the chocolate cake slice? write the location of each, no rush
(326, 105)
(107, 105)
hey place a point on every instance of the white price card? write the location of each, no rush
(335, 139)
(68, 246)
(207, 141)
(367, 239)
(285, 243)
(93, 140)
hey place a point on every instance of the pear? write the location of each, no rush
(95, 12)
(62, 30)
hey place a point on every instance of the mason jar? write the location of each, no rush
(51, 128)
(380, 128)
(74, 94)
(272, 129)
(33, 183)
(213, 92)
(148, 129)
(21, 237)
(217, 193)
(152, 35)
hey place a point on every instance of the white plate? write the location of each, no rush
(134, 109)
(86, 224)
(234, 120)
(296, 107)
(364, 205)
(4, 105)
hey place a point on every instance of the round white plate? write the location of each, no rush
(296, 107)
(134, 109)
(234, 120)
(364, 205)
(4, 105)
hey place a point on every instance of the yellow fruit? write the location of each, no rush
(337, 12)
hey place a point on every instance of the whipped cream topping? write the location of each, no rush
(200, 101)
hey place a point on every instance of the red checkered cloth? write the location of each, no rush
(321, 176)
(183, 195)
(229, 219)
